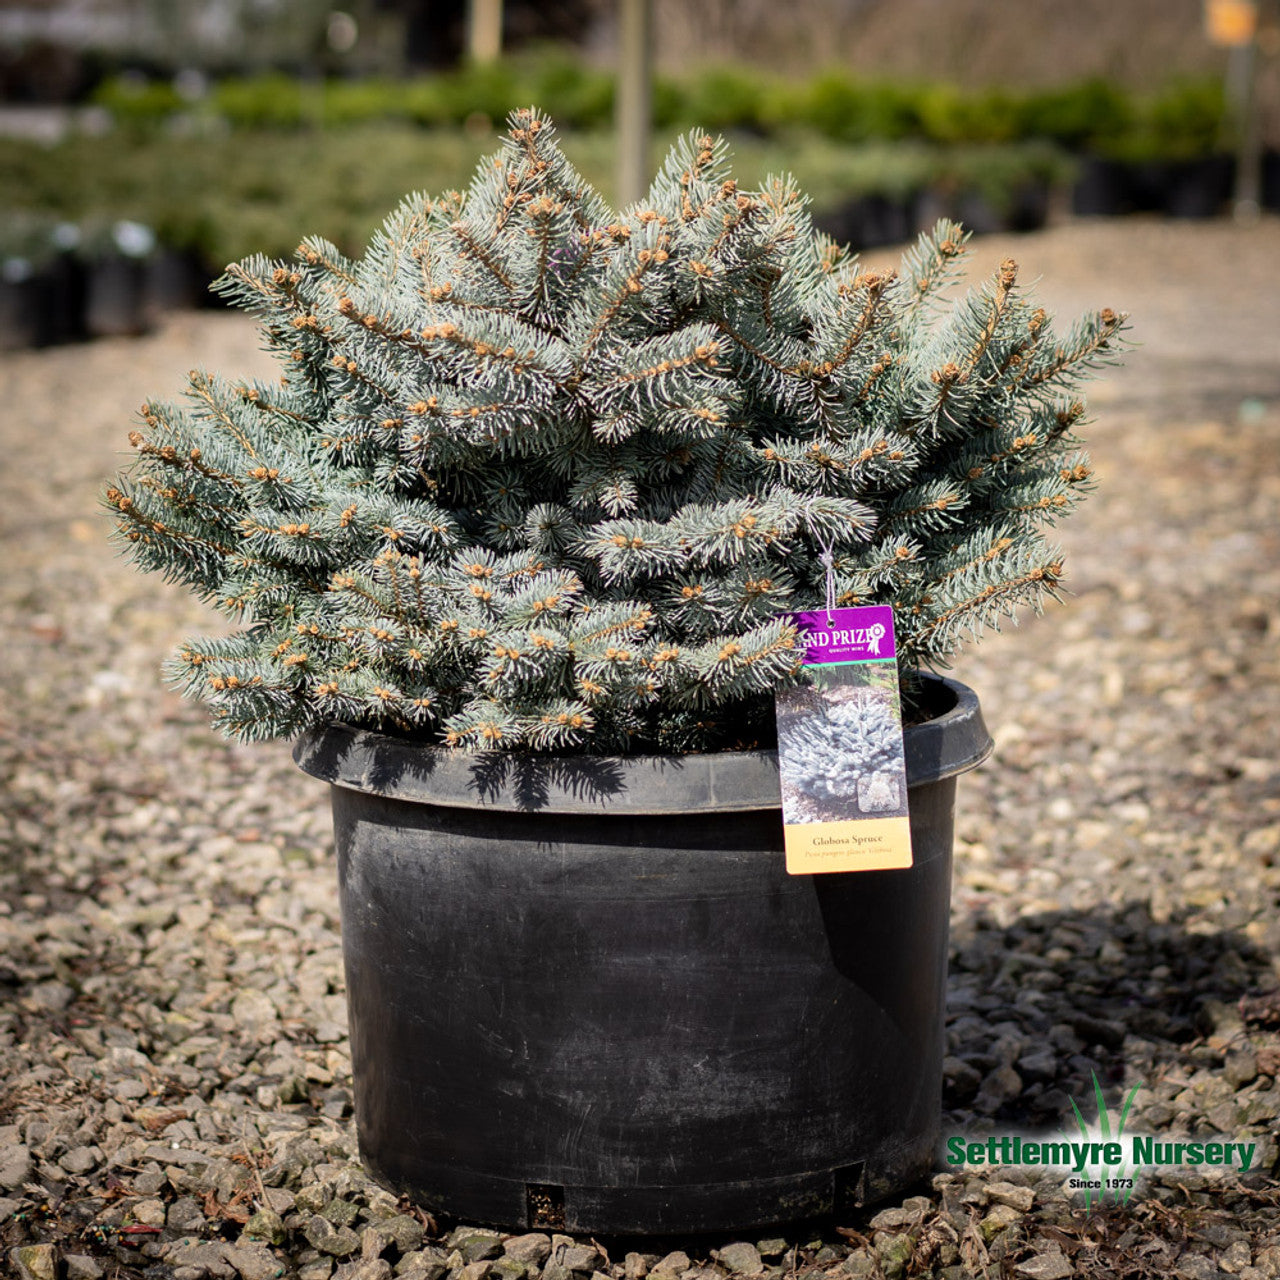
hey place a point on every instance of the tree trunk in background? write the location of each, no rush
(634, 104)
(1242, 103)
(484, 30)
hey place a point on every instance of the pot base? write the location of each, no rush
(661, 1210)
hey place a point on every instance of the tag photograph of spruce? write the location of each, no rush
(542, 475)
(840, 745)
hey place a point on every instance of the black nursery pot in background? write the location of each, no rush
(1197, 187)
(40, 303)
(869, 221)
(584, 993)
(1102, 189)
(175, 281)
(19, 306)
(1271, 180)
(115, 301)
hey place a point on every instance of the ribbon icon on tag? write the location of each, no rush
(874, 635)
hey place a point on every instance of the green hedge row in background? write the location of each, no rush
(224, 197)
(1184, 119)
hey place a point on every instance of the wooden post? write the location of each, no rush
(484, 30)
(1233, 25)
(1242, 77)
(634, 102)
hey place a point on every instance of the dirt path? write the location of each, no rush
(170, 980)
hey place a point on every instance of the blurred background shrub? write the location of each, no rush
(243, 140)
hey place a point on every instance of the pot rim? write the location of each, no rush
(953, 742)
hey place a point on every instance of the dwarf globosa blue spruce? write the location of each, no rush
(540, 474)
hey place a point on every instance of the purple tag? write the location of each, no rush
(847, 635)
(841, 761)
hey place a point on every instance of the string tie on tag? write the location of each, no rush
(828, 561)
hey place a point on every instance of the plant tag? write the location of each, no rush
(840, 751)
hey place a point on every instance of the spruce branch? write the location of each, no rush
(540, 474)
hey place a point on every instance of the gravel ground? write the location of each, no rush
(175, 1095)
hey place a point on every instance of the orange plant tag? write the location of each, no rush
(1230, 22)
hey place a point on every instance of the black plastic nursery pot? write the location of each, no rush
(115, 297)
(42, 307)
(1271, 180)
(869, 222)
(584, 992)
(1198, 188)
(1103, 188)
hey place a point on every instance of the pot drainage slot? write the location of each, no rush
(544, 1205)
(849, 1190)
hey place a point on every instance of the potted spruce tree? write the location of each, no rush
(513, 548)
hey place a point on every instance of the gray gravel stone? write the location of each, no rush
(1195, 1266)
(338, 1242)
(860, 1265)
(292, 1089)
(423, 1264)
(200, 1261)
(1016, 1197)
(740, 1259)
(532, 1247)
(1237, 1257)
(81, 1266)
(79, 1160)
(894, 1218)
(1002, 1085)
(34, 1262)
(254, 1262)
(1240, 1068)
(509, 1268)
(583, 1258)
(1053, 1265)
(893, 1253)
(313, 1199)
(150, 1181)
(405, 1232)
(674, 1263)
(16, 1166)
(1039, 1066)
(185, 1217)
(150, 1213)
(49, 997)
(266, 1225)
(365, 1269)
(374, 1242)
(1001, 1218)
(342, 1213)
(477, 1245)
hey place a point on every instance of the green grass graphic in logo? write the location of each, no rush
(1119, 1192)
